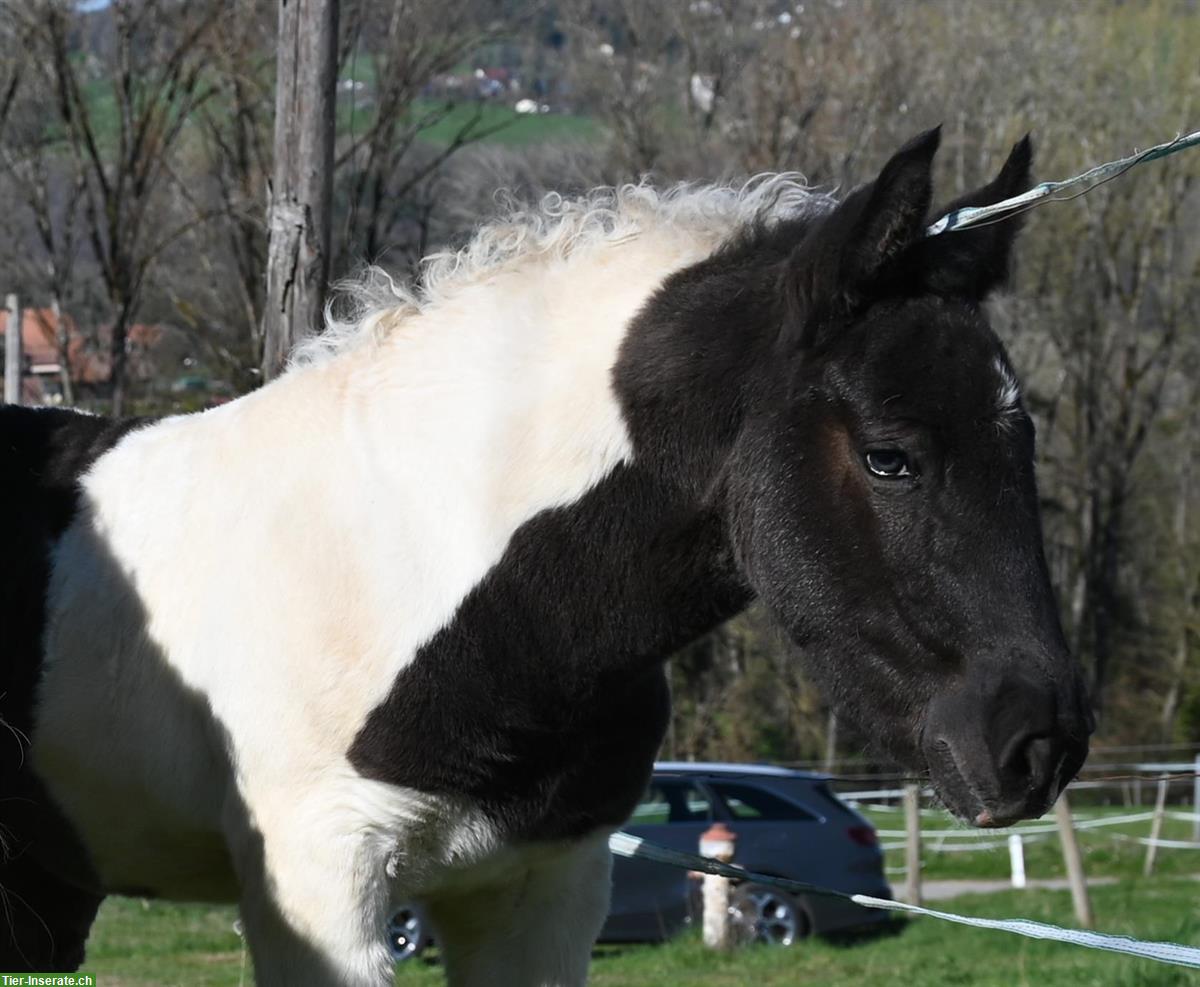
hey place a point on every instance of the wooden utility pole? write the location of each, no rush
(13, 357)
(302, 188)
(912, 845)
(1074, 862)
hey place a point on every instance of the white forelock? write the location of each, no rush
(558, 228)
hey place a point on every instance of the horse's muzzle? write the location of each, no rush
(1002, 750)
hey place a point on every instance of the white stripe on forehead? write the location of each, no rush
(1010, 389)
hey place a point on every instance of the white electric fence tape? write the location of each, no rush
(626, 845)
(1056, 191)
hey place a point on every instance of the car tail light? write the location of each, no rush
(863, 835)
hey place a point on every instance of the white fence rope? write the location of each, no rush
(941, 813)
(1147, 841)
(943, 840)
(626, 845)
(1035, 830)
(960, 847)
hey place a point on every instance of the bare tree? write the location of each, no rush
(383, 163)
(48, 192)
(1116, 288)
(624, 67)
(152, 76)
(235, 137)
(1185, 586)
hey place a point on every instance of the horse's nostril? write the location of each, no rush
(1032, 757)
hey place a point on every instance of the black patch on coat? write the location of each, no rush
(544, 699)
(44, 867)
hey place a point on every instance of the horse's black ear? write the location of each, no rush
(893, 211)
(971, 263)
(832, 270)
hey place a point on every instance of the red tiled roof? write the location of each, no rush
(38, 329)
(89, 359)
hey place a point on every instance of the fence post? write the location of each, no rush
(912, 846)
(1196, 801)
(13, 357)
(717, 841)
(1016, 859)
(1079, 889)
(1160, 808)
(831, 733)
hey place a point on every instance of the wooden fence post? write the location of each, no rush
(1070, 845)
(13, 357)
(1160, 809)
(718, 842)
(831, 732)
(1196, 801)
(912, 846)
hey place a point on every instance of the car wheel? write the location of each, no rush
(406, 934)
(763, 914)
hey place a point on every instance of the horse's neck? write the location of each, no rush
(465, 423)
(503, 391)
(528, 572)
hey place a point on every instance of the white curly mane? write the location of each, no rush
(556, 229)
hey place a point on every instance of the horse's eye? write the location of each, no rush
(889, 463)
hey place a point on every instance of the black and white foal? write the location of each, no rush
(393, 627)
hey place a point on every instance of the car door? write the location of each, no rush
(651, 901)
(774, 834)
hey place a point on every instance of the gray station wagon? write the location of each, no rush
(788, 823)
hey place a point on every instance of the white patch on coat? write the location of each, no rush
(243, 586)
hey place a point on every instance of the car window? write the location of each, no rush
(653, 809)
(749, 802)
(672, 802)
(832, 800)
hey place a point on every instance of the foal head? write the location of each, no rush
(880, 489)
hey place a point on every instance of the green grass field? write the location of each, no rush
(138, 944)
(496, 120)
(506, 126)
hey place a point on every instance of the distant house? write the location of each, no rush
(41, 381)
(87, 357)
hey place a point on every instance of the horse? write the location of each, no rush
(394, 626)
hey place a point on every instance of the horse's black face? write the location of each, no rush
(884, 506)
